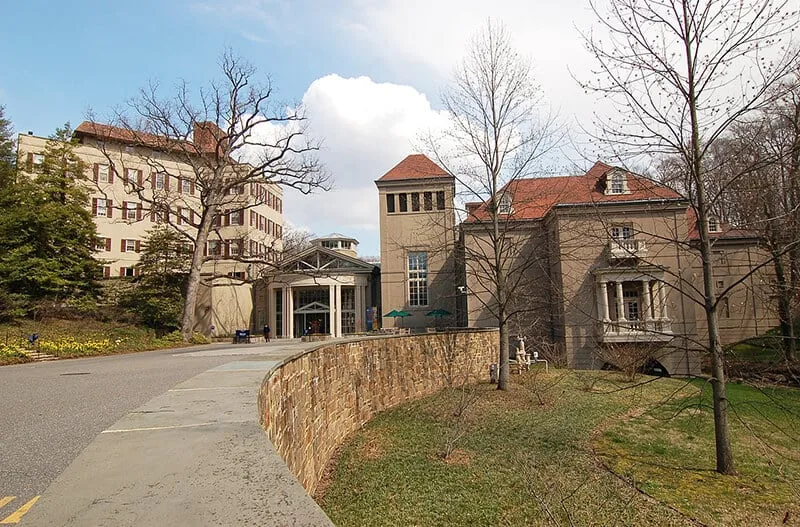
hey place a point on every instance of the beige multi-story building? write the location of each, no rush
(599, 265)
(417, 238)
(137, 182)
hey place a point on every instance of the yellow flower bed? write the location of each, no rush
(70, 346)
(12, 351)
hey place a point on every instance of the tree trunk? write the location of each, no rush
(189, 318)
(504, 370)
(784, 308)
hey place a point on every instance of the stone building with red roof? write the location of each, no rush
(603, 264)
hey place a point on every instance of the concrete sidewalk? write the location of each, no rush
(193, 456)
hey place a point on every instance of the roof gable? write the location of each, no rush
(321, 260)
(414, 167)
(533, 198)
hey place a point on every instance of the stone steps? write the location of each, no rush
(38, 356)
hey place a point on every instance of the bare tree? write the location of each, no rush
(679, 73)
(231, 137)
(761, 158)
(499, 134)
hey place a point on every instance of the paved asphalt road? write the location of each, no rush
(49, 412)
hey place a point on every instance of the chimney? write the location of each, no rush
(205, 136)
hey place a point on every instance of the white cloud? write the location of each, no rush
(367, 127)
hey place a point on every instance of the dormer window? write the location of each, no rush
(504, 205)
(713, 224)
(616, 183)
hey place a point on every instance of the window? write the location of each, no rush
(241, 275)
(504, 206)
(38, 159)
(102, 244)
(427, 200)
(389, 203)
(102, 174)
(403, 202)
(214, 248)
(127, 271)
(418, 278)
(132, 176)
(724, 308)
(130, 210)
(233, 248)
(415, 201)
(234, 218)
(160, 181)
(616, 184)
(101, 207)
(631, 299)
(186, 186)
(720, 284)
(440, 200)
(621, 232)
(345, 245)
(330, 244)
(713, 224)
(130, 246)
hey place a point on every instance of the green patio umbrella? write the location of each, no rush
(395, 314)
(438, 313)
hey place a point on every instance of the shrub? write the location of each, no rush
(199, 338)
(175, 336)
(12, 351)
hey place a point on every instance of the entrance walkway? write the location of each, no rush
(193, 456)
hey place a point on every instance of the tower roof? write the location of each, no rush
(415, 166)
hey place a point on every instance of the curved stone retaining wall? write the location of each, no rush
(310, 403)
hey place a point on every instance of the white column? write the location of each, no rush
(604, 302)
(288, 312)
(620, 304)
(334, 314)
(662, 300)
(646, 300)
(359, 292)
(338, 310)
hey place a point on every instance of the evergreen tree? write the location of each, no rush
(7, 155)
(47, 235)
(158, 295)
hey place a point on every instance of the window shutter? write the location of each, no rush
(138, 211)
(180, 185)
(94, 206)
(108, 248)
(107, 270)
(227, 248)
(179, 215)
(140, 178)
(205, 249)
(30, 161)
(109, 205)
(122, 271)
(166, 182)
(124, 210)
(153, 180)
(125, 176)
(152, 213)
(110, 173)
(241, 217)
(227, 218)
(122, 245)
(96, 172)
(138, 246)
(191, 187)
(135, 271)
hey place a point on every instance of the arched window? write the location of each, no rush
(713, 224)
(504, 205)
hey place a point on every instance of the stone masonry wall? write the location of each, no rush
(312, 402)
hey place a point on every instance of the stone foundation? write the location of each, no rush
(311, 403)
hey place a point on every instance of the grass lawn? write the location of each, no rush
(540, 455)
(78, 338)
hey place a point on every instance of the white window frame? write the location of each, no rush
(130, 246)
(102, 208)
(713, 224)
(161, 179)
(38, 159)
(132, 175)
(103, 173)
(504, 204)
(417, 269)
(129, 272)
(186, 186)
(621, 232)
(233, 248)
(100, 244)
(131, 210)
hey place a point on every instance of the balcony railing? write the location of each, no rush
(629, 248)
(654, 330)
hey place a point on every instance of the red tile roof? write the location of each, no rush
(726, 231)
(534, 198)
(204, 140)
(415, 166)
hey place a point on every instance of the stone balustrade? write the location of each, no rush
(311, 403)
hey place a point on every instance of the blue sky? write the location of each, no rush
(369, 71)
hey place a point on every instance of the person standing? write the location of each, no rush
(266, 333)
